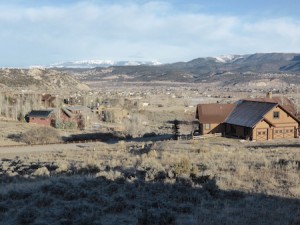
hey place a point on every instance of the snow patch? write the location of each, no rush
(227, 58)
(100, 63)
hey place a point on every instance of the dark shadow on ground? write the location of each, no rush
(15, 137)
(267, 146)
(98, 136)
(129, 199)
(111, 138)
(154, 138)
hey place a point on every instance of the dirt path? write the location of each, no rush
(71, 146)
(43, 148)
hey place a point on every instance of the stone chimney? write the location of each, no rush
(269, 95)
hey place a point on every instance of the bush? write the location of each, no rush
(26, 216)
(149, 217)
(65, 125)
(183, 167)
(41, 135)
(41, 172)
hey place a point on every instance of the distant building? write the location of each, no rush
(78, 114)
(43, 117)
(48, 101)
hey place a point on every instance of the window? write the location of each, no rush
(276, 115)
(207, 126)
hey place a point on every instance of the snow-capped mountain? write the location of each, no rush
(227, 58)
(101, 63)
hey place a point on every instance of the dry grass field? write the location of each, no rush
(212, 181)
(136, 181)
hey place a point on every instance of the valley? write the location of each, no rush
(111, 152)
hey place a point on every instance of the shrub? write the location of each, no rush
(42, 201)
(149, 217)
(27, 216)
(183, 167)
(3, 208)
(41, 135)
(41, 172)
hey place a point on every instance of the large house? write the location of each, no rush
(261, 121)
(249, 119)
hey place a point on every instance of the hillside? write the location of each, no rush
(41, 79)
(260, 68)
(229, 69)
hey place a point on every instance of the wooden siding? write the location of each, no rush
(283, 120)
(284, 127)
(214, 128)
(261, 131)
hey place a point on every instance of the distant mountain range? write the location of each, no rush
(97, 63)
(260, 62)
(267, 69)
(230, 67)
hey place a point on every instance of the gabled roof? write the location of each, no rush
(213, 113)
(286, 103)
(249, 113)
(67, 112)
(40, 113)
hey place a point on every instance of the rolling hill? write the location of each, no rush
(224, 68)
(38, 79)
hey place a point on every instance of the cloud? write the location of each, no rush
(152, 30)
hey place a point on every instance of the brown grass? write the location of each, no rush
(213, 181)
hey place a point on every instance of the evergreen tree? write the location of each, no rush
(175, 129)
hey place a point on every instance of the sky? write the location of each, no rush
(43, 32)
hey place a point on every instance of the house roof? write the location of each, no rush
(67, 112)
(77, 108)
(286, 103)
(249, 113)
(213, 113)
(40, 113)
(47, 97)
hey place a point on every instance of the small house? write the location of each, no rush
(79, 115)
(43, 117)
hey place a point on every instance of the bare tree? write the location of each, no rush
(136, 125)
